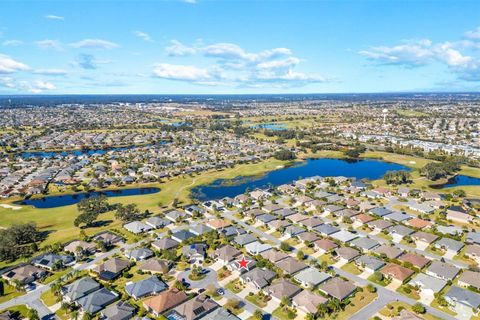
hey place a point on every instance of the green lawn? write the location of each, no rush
(235, 286)
(357, 302)
(48, 298)
(9, 292)
(20, 310)
(393, 309)
(256, 299)
(282, 314)
(351, 268)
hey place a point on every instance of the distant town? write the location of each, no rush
(240, 207)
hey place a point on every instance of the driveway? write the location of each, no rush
(271, 305)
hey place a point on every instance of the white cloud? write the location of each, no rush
(54, 17)
(7, 82)
(43, 85)
(143, 35)
(411, 54)
(178, 49)
(190, 1)
(236, 66)
(51, 72)
(473, 34)
(88, 62)
(12, 43)
(9, 65)
(49, 44)
(181, 72)
(95, 44)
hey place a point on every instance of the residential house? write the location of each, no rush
(390, 252)
(97, 300)
(111, 268)
(365, 244)
(338, 288)
(369, 263)
(396, 272)
(226, 253)
(346, 254)
(137, 227)
(256, 247)
(79, 288)
(308, 301)
(324, 245)
(165, 244)
(428, 285)
(118, 311)
(24, 274)
(442, 270)
(166, 300)
(259, 278)
(291, 265)
(79, 248)
(146, 287)
(281, 289)
(311, 277)
(155, 266)
(195, 252)
(52, 261)
(182, 235)
(139, 254)
(415, 259)
(193, 309)
(469, 279)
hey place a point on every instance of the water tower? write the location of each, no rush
(384, 111)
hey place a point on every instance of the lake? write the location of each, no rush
(370, 169)
(69, 199)
(457, 181)
(270, 126)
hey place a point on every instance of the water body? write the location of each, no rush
(66, 200)
(270, 126)
(457, 181)
(360, 169)
(64, 153)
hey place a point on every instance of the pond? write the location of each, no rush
(270, 126)
(457, 181)
(370, 169)
(69, 199)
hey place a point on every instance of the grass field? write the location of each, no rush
(58, 222)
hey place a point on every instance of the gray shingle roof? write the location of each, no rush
(145, 287)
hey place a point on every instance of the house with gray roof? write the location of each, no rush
(284, 213)
(165, 244)
(199, 229)
(473, 237)
(244, 239)
(259, 277)
(97, 300)
(380, 211)
(227, 253)
(326, 229)
(266, 218)
(451, 246)
(399, 231)
(397, 216)
(462, 300)
(182, 235)
(344, 236)
(139, 254)
(442, 270)
(176, 215)
(428, 285)
(311, 277)
(231, 231)
(195, 252)
(293, 231)
(79, 289)
(118, 311)
(157, 222)
(423, 238)
(146, 287)
(220, 314)
(369, 263)
(365, 243)
(137, 227)
(257, 247)
(51, 261)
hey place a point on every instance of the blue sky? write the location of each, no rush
(183, 47)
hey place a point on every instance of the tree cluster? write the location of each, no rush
(18, 240)
(397, 177)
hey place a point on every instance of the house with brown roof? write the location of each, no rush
(346, 254)
(419, 223)
(469, 279)
(394, 271)
(361, 219)
(390, 252)
(338, 288)
(111, 269)
(282, 288)
(274, 256)
(155, 265)
(291, 265)
(24, 274)
(423, 239)
(193, 309)
(166, 300)
(307, 301)
(415, 259)
(79, 247)
(225, 254)
(324, 245)
(472, 251)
